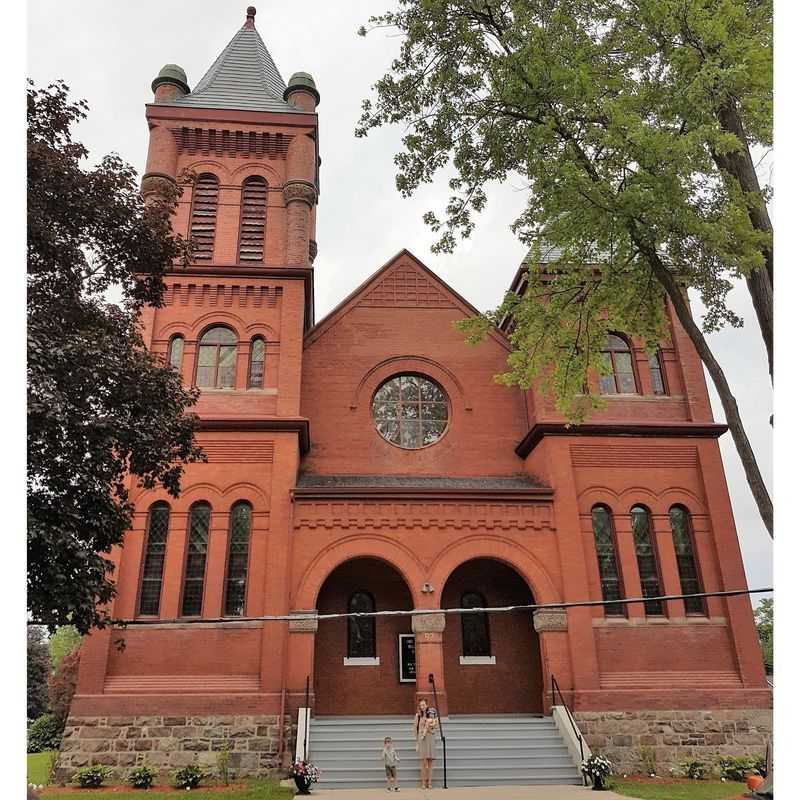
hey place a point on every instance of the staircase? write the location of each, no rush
(482, 750)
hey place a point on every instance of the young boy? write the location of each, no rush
(390, 761)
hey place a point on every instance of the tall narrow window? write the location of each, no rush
(253, 219)
(196, 551)
(657, 374)
(361, 630)
(619, 358)
(176, 351)
(216, 359)
(203, 227)
(154, 552)
(646, 558)
(475, 626)
(238, 552)
(255, 378)
(687, 565)
(604, 543)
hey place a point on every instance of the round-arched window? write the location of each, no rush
(410, 411)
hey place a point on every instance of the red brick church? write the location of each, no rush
(368, 461)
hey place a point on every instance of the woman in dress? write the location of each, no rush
(425, 724)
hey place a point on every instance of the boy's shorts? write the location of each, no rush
(391, 772)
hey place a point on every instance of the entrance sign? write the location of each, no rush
(408, 658)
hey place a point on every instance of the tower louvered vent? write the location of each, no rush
(253, 220)
(204, 216)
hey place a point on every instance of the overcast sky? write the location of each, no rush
(109, 52)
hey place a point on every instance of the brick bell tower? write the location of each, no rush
(232, 323)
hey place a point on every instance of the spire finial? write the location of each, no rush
(251, 17)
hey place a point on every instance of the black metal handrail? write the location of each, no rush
(432, 682)
(305, 722)
(556, 690)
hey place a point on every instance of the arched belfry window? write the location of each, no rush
(475, 626)
(253, 220)
(255, 374)
(605, 545)
(154, 552)
(646, 558)
(619, 357)
(194, 574)
(203, 226)
(687, 564)
(238, 554)
(176, 351)
(216, 359)
(361, 630)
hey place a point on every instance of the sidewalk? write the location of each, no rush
(470, 793)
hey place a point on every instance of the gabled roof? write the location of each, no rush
(390, 286)
(244, 77)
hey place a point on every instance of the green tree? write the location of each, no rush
(103, 412)
(630, 121)
(38, 671)
(763, 614)
(63, 641)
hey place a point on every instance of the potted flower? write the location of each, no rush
(304, 774)
(597, 768)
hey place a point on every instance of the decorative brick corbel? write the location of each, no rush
(300, 190)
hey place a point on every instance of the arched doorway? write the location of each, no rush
(356, 662)
(492, 663)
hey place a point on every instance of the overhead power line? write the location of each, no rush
(418, 612)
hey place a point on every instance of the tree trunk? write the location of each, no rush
(732, 416)
(739, 165)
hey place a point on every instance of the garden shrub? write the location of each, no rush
(695, 769)
(189, 777)
(44, 733)
(735, 768)
(142, 777)
(647, 760)
(92, 777)
(223, 763)
(61, 686)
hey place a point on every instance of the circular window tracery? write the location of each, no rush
(410, 411)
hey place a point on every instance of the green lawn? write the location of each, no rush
(257, 790)
(696, 790)
(39, 767)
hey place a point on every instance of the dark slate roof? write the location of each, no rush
(244, 77)
(309, 481)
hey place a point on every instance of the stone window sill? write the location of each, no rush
(361, 662)
(476, 660)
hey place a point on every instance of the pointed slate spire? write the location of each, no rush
(244, 77)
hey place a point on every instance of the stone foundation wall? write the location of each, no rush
(675, 736)
(170, 742)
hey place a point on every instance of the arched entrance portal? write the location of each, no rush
(356, 662)
(492, 663)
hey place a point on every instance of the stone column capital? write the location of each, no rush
(549, 619)
(304, 624)
(428, 623)
(300, 190)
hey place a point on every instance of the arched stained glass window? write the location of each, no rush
(196, 551)
(605, 545)
(216, 359)
(253, 220)
(176, 352)
(687, 565)
(619, 358)
(646, 558)
(154, 553)
(203, 226)
(238, 554)
(255, 377)
(475, 626)
(657, 374)
(361, 630)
